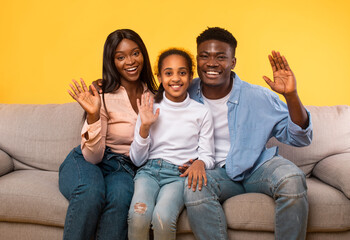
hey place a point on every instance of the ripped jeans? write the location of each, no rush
(157, 201)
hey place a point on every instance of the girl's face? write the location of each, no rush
(175, 77)
(128, 60)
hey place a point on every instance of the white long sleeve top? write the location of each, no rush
(183, 131)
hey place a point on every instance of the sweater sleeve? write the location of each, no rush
(139, 149)
(93, 139)
(206, 147)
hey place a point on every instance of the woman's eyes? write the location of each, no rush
(135, 54)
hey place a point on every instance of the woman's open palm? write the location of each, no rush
(90, 102)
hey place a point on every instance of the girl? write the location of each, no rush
(178, 130)
(97, 177)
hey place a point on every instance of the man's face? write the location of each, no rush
(215, 60)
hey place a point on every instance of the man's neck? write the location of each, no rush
(217, 92)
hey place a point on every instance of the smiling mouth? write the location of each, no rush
(131, 70)
(212, 73)
(176, 86)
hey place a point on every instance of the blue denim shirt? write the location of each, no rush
(255, 114)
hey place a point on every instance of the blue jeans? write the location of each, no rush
(99, 195)
(278, 178)
(158, 200)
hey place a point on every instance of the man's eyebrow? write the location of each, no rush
(216, 53)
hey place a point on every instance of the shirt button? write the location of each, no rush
(236, 101)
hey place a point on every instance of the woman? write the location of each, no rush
(97, 176)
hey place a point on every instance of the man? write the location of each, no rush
(246, 116)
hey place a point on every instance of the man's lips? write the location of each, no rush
(212, 73)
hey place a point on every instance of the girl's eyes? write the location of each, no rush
(136, 53)
(182, 73)
(120, 58)
(203, 56)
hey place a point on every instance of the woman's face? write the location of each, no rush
(128, 60)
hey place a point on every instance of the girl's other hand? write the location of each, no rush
(196, 175)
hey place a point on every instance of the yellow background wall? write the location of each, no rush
(44, 44)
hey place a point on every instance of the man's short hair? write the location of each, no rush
(220, 34)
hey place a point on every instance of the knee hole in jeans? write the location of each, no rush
(140, 208)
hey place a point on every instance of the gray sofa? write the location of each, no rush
(35, 139)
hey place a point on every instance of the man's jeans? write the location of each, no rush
(158, 200)
(99, 195)
(278, 178)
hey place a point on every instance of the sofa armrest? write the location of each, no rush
(6, 163)
(334, 170)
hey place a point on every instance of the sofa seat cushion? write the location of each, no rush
(32, 196)
(329, 210)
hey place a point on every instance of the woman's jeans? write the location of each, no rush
(99, 195)
(158, 200)
(278, 178)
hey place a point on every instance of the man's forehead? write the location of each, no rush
(212, 46)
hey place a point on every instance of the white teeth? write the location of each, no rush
(175, 86)
(131, 69)
(213, 73)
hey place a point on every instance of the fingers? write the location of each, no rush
(200, 184)
(273, 64)
(189, 179)
(278, 62)
(72, 95)
(157, 113)
(93, 89)
(77, 85)
(84, 85)
(138, 104)
(286, 63)
(98, 85)
(268, 81)
(183, 169)
(194, 184)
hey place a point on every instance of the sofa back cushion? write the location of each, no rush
(331, 135)
(40, 136)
